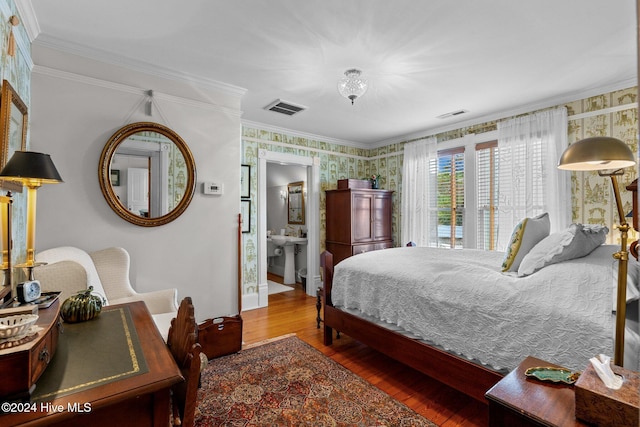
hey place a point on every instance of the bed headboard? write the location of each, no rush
(633, 187)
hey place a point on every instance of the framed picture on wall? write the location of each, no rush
(245, 181)
(245, 212)
(115, 177)
(13, 117)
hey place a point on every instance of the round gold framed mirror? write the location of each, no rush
(147, 174)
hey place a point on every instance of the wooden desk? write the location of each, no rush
(21, 366)
(517, 401)
(140, 400)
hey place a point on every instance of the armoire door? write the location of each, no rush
(362, 206)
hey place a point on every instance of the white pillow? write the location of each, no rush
(574, 242)
(525, 236)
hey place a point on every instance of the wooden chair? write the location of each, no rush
(183, 344)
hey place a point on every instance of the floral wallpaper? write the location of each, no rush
(336, 162)
(592, 195)
(177, 176)
(17, 71)
(593, 199)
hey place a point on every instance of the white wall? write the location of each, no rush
(277, 219)
(76, 105)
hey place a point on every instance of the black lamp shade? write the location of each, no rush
(29, 166)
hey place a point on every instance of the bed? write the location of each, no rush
(455, 316)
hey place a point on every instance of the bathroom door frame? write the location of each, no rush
(312, 219)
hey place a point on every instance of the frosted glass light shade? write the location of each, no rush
(352, 85)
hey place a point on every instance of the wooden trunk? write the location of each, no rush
(220, 336)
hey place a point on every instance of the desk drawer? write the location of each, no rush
(41, 355)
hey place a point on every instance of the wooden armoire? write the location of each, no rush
(358, 220)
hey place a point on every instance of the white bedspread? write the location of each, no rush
(461, 301)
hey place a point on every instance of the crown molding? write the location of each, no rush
(503, 114)
(28, 17)
(65, 46)
(59, 74)
(295, 133)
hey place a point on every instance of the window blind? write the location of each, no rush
(450, 197)
(487, 195)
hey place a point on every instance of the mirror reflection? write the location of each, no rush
(147, 174)
(295, 199)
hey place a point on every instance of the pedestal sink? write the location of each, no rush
(288, 243)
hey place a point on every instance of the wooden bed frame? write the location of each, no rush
(461, 374)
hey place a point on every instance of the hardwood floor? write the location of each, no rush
(295, 312)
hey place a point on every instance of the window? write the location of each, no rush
(487, 195)
(450, 197)
(456, 200)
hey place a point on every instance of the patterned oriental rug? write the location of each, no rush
(286, 382)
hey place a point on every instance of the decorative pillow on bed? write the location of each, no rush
(574, 242)
(524, 237)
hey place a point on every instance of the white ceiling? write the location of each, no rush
(422, 58)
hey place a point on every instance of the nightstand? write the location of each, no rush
(520, 401)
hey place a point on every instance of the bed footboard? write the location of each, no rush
(326, 263)
(458, 373)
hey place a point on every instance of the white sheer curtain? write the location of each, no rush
(529, 181)
(419, 182)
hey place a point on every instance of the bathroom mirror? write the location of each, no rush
(147, 174)
(295, 198)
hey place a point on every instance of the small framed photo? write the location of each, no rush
(245, 182)
(245, 215)
(115, 177)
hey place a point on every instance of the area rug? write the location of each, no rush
(287, 382)
(276, 288)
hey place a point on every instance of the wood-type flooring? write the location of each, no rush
(295, 312)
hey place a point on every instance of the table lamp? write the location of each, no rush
(608, 156)
(32, 170)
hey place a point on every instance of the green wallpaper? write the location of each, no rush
(592, 196)
(336, 162)
(593, 200)
(17, 70)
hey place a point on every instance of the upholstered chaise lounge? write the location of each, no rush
(70, 269)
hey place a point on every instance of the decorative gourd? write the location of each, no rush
(82, 306)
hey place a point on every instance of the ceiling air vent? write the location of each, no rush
(284, 107)
(451, 114)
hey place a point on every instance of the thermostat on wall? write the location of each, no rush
(213, 188)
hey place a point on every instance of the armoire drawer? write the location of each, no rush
(360, 249)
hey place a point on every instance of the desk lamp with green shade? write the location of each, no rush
(609, 156)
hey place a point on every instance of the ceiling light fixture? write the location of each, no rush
(352, 86)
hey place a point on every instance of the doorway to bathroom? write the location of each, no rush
(307, 170)
(286, 216)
